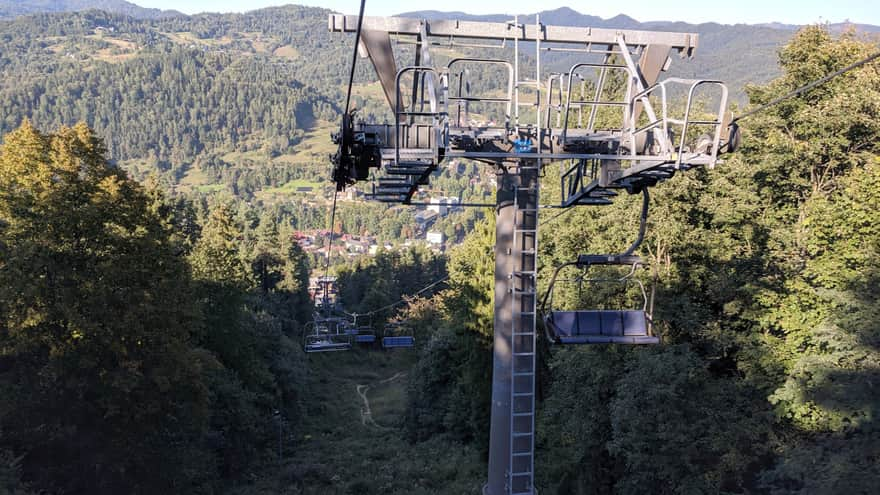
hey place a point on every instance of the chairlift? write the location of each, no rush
(363, 334)
(397, 336)
(602, 326)
(323, 335)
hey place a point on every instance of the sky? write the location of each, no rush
(693, 11)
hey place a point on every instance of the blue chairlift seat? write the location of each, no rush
(600, 327)
(362, 335)
(326, 345)
(398, 341)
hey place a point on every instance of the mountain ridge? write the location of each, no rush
(10, 9)
(566, 16)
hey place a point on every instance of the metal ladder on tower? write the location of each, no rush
(525, 244)
(523, 348)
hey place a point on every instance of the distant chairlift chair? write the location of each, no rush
(363, 334)
(396, 337)
(323, 339)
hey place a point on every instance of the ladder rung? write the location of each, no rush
(520, 435)
(521, 473)
(522, 415)
(523, 373)
(520, 454)
(523, 394)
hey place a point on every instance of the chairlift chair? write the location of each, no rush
(325, 337)
(396, 337)
(363, 334)
(603, 326)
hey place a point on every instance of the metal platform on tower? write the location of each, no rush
(617, 125)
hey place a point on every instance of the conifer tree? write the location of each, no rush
(96, 313)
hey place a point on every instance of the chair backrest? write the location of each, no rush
(589, 322)
(612, 323)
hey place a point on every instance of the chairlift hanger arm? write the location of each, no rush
(643, 223)
(548, 295)
(627, 257)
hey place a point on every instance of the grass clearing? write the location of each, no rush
(333, 452)
(107, 55)
(193, 178)
(315, 146)
(241, 157)
(210, 188)
(292, 186)
(190, 38)
(369, 91)
(119, 43)
(286, 51)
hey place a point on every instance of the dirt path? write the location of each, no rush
(366, 412)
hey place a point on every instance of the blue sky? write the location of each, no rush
(726, 12)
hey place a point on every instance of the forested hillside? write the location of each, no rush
(240, 105)
(153, 290)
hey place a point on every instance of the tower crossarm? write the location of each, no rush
(685, 43)
(615, 115)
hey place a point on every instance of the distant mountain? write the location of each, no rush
(13, 8)
(843, 26)
(779, 25)
(736, 53)
(565, 16)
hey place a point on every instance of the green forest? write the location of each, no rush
(153, 301)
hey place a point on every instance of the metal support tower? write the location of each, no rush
(645, 147)
(512, 434)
